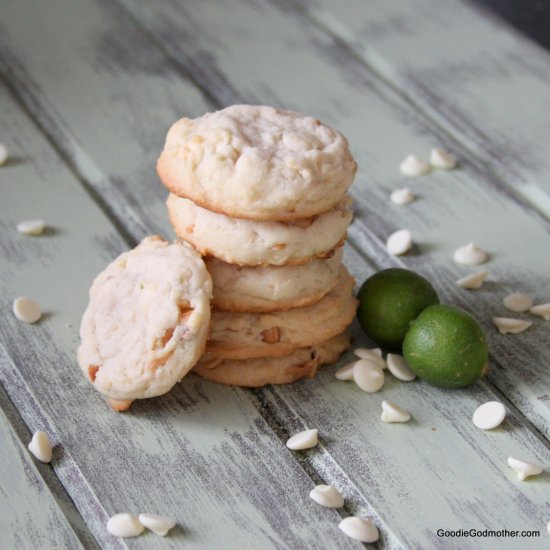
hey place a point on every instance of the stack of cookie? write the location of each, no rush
(261, 194)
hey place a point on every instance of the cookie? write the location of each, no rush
(257, 162)
(271, 288)
(249, 242)
(252, 373)
(248, 335)
(147, 320)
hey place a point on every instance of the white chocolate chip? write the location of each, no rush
(506, 325)
(399, 368)
(439, 158)
(368, 375)
(473, 281)
(26, 310)
(470, 254)
(543, 310)
(367, 353)
(402, 196)
(3, 154)
(346, 372)
(361, 529)
(303, 440)
(160, 525)
(124, 525)
(518, 302)
(392, 412)
(327, 495)
(41, 447)
(523, 468)
(412, 166)
(31, 227)
(374, 354)
(399, 242)
(489, 415)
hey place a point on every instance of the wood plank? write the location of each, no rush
(453, 208)
(484, 83)
(30, 515)
(202, 455)
(382, 129)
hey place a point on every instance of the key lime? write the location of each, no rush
(446, 347)
(389, 301)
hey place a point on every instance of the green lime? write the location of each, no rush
(446, 347)
(389, 301)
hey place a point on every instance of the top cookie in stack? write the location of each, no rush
(261, 193)
(257, 163)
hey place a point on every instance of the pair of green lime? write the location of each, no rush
(443, 345)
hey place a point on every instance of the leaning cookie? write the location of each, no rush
(257, 162)
(271, 288)
(252, 373)
(248, 335)
(254, 243)
(147, 321)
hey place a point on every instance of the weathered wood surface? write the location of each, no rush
(104, 92)
(202, 455)
(484, 83)
(31, 516)
(454, 208)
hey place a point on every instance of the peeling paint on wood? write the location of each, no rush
(103, 93)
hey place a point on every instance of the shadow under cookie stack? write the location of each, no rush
(261, 194)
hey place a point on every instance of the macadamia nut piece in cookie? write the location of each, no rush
(147, 320)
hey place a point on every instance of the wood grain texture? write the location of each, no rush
(453, 208)
(106, 110)
(30, 515)
(202, 455)
(484, 83)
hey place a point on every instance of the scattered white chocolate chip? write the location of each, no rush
(303, 440)
(26, 310)
(543, 310)
(124, 525)
(41, 447)
(518, 302)
(366, 353)
(402, 196)
(399, 368)
(160, 525)
(473, 281)
(439, 158)
(31, 227)
(399, 242)
(489, 415)
(361, 529)
(412, 166)
(3, 154)
(470, 254)
(523, 468)
(374, 354)
(506, 325)
(327, 495)
(346, 372)
(392, 412)
(368, 375)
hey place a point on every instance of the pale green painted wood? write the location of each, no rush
(30, 516)
(298, 67)
(485, 83)
(202, 454)
(320, 77)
